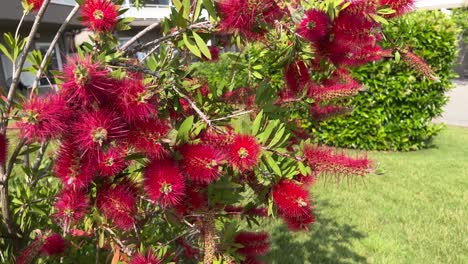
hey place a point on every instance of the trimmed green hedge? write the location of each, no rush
(397, 111)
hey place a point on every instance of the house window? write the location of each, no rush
(156, 2)
(64, 2)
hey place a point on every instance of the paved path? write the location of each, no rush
(456, 110)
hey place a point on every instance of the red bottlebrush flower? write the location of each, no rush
(333, 91)
(401, 7)
(164, 183)
(361, 7)
(321, 113)
(136, 102)
(290, 198)
(306, 180)
(242, 95)
(3, 148)
(255, 244)
(214, 51)
(216, 138)
(44, 118)
(293, 205)
(99, 15)
(53, 245)
(248, 18)
(195, 199)
(419, 65)
(358, 30)
(30, 253)
(111, 162)
(95, 129)
(86, 82)
(145, 137)
(326, 160)
(70, 168)
(297, 76)
(299, 222)
(314, 26)
(149, 258)
(72, 205)
(244, 152)
(189, 251)
(201, 163)
(35, 4)
(118, 204)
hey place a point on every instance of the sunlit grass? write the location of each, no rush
(415, 212)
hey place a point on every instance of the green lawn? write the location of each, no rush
(415, 212)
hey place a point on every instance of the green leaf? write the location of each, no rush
(184, 128)
(177, 4)
(257, 122)
(30, 149)
(6, 52)
(257, 75)
(197, 12)
(397, 56)
(278, 136)
(210, 8)
(191, 45)
(202, 45)
(263, 137)
(379, 19)
(272, 163)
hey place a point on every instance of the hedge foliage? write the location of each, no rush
(397, 112)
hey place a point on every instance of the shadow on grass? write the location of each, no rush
(327, 242)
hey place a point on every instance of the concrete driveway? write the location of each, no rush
(456, 110)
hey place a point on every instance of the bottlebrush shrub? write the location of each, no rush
(396, 112)
(155, 165)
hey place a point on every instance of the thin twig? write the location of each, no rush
(13, 157)
(122, 246)
(284, 155)
(52, 47)
(193, 105)
(40, 156)
(139, 35)
(203, 25)
(20, 24)
(233, 115)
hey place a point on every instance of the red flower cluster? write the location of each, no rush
(35, 4)
(244, 152)
(164, 183)
(293, 204)
(254, 244)
(327, 160)
(297, 77)
(201, 162)
(401, 7)
(248, 18)
(51, 245)
(314, 26)
(43, 118)
(149, 258)
(100, 15)
(118, 204)
(72, 205)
